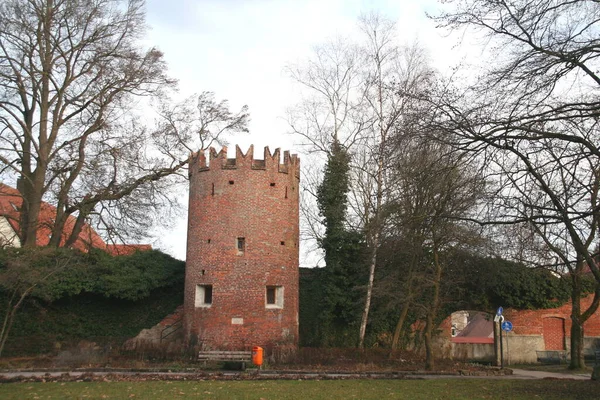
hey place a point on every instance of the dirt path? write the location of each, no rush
(92, 375)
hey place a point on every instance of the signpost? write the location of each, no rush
(499, 319)
(507, 327)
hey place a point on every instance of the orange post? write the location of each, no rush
(257, 356)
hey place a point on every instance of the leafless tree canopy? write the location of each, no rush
(532, 118)
(358, 93)
(73, 79)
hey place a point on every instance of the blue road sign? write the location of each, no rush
(499, 312)
(507, 326)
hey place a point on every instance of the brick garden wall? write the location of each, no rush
(548, 329)
(256, 200)
(531, 322)
(551, 328)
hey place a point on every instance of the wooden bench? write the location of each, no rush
(551, 356)
(242, 357)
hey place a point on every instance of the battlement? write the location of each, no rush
(219, 160)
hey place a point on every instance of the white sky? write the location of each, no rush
(240, 48)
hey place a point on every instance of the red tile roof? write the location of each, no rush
(10, 204)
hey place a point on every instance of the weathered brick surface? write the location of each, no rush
(531, 322)
(554, 333)
(258, 201)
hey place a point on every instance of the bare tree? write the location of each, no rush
(353, 100)
(392, 75)
(533, 119)
(332, 108)
(434, 190)
(330, 112)
(72, 80)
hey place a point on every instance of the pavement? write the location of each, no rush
(527, 374)
(517, 374)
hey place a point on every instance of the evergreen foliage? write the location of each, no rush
(69, 295)
(311, 299)
(129, 277)
(332, 198)
(339, 282)
(133, 277)
(472, 283)
(39, 326)
(485, 283)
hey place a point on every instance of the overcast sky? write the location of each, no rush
(239, 49)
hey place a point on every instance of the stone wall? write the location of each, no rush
(481, 352)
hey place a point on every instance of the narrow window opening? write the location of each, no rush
(282, 243)
(274, 297)
(213, 190)
(270, 295)
(272, 184)
(231, 182)
(241, 244)
(208, 241)
(204, 295)
(203, 272)
(208, 294)
(286, 192)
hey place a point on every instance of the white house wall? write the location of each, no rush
(8, 237)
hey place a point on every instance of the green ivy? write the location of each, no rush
(130, 277)
(339, 284)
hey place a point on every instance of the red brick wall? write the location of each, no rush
(537, 322)
(553, 324)
(258, 201)
(553, 330)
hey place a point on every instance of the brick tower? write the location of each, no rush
(241, 282)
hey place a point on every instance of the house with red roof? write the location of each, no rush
(10, 206)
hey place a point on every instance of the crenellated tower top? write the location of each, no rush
(219, 160)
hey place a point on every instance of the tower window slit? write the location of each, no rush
(241, 244)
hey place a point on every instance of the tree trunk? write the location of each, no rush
(432, 313)
(577, 361)
(399, 325)
(32, 182)
(365, 315)
(374, 243)
(31, 192)
(84, 212)
(11, 310)
(408, 298)
(429, 360)
(497, 345)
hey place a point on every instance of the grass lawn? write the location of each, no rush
(329, 389)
